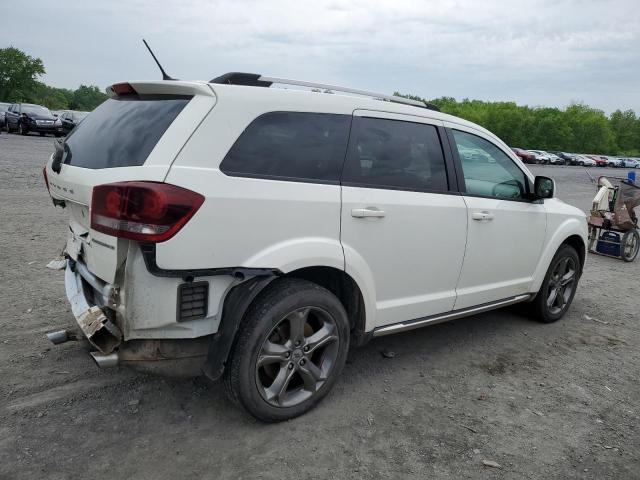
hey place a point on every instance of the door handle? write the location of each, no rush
(367, 212)
(482, 216)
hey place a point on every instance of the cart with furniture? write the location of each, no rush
(613, 223)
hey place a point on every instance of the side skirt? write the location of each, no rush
(444, 317)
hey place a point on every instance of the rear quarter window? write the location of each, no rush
(122, 131)
(291, 146)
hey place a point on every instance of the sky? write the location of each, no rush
(539, 53)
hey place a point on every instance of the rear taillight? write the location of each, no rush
(46, 179)
(143, 211)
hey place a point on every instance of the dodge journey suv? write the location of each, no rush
(255, 233)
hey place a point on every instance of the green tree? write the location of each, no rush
(87, 98)
(626, 129)
(18, 74)
(578, 128)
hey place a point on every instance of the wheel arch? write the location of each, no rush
(571, 232)
(239, 299)
(346, 289)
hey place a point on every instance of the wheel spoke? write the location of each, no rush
(297, 321)
(567, 278)
(272, 353)
(311, 375)
(321, 338)
(560, 300)
(551, 300)
(278, 389)
(561, 269)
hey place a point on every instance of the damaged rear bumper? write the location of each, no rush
(101, 332)
(89, 295)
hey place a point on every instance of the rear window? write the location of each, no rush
(122, 131)
(291, 146)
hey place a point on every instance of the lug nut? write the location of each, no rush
(306, 348)
(302, 362)
(287, 354)
(290, 366)
(297, 343)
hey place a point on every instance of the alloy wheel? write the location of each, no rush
(561, 284)
(297, 357)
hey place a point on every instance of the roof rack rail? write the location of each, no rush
(256, 80)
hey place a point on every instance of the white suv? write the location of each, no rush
(255, 233)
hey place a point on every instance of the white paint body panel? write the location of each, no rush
(413, 254)
(502, 253)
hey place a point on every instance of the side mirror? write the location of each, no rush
(544, 187)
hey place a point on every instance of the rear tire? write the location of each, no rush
(291, 347)
(558, 287)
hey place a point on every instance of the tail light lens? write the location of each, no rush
(142, 211)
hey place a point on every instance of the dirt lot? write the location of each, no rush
(543, 401)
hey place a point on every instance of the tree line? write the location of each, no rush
(19, 82)
(577, 128)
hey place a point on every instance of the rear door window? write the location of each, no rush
(291, 146)
(122, 131)
(395, 154)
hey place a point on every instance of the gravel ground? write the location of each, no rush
(543, 401)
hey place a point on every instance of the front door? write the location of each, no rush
(506, 230)
(401, 223)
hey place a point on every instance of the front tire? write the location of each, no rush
(559, 286)
(291, 347)
(21, 129)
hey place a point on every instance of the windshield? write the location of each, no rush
(36, 109)
(122, 131)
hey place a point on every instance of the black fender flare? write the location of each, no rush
(236, 303)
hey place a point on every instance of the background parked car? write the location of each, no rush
(27, 117)
(3, 109)
(584, 161)
(541, 156)
(600, 162)
(555, 159)
(70, 119)
(631, 162)
(612, 161)
(525, 156)
(567, 157)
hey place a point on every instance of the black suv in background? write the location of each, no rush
(26, 117)
(70, 119)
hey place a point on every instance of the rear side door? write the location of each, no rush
(403, 223)
(506, 230)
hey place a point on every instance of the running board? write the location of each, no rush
(444, 317)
